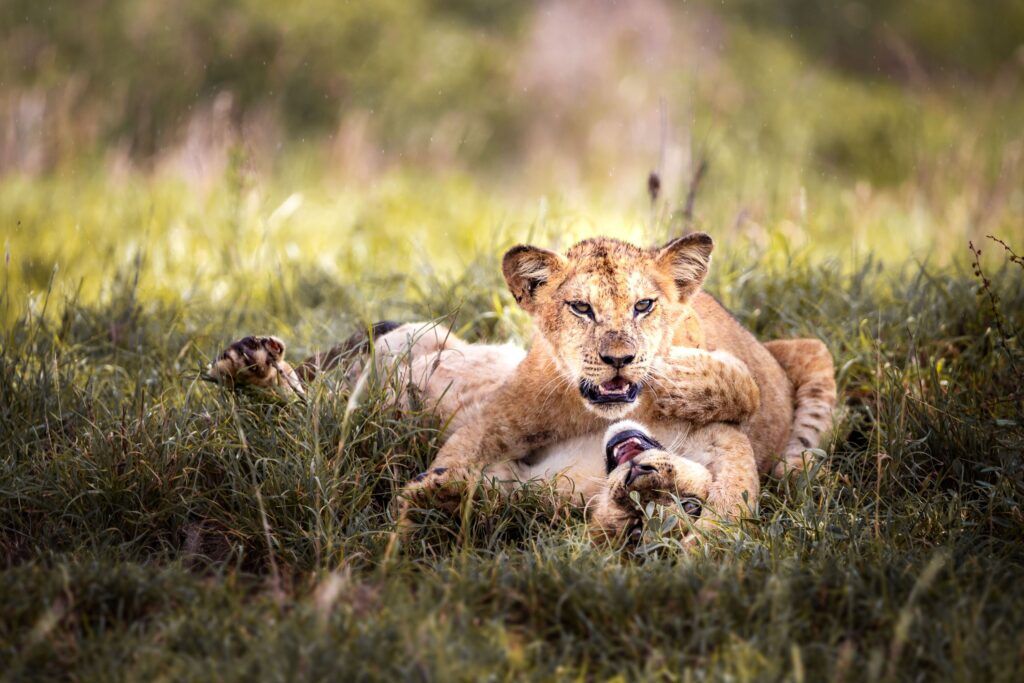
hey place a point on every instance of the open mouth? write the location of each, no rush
(616, 390)
(626, 445)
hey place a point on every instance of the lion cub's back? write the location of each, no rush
(769, 429)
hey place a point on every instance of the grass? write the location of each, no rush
(156, 527)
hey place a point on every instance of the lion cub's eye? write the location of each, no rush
(581, 308)
(643, 306)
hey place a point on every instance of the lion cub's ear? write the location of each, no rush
(686, 260)
(527, 269)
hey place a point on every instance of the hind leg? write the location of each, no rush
(258, 361)
(425, 359)
(255, 362)
(808, 364)
(426, 363)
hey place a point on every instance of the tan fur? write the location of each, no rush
(608, 277)
(808, 364)
(721, 402)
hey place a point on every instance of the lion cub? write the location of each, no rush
(609, 320)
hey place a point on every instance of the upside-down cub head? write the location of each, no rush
(607, 308)
(636, 462)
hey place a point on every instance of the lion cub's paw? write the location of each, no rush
(255, 362)
(439, 488)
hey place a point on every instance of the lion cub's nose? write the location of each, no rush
(637, 470)
(617, 361)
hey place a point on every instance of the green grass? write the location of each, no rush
(155, 526)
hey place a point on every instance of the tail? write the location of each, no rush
(808, 364)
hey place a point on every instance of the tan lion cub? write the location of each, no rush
(607, 314)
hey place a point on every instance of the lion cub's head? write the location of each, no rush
(607, 308)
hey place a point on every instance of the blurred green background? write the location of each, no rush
(218, 138)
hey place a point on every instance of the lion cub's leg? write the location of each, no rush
(808, 364)
(532, 408)
(427, 365)
(454, 383)
(258, 361)
(356, 345)
(643, 469)
(699, 387)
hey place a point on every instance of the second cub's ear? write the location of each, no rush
(686, 260)
(527, 269)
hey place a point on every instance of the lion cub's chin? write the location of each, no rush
(611, 411)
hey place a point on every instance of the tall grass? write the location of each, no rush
(153, 525)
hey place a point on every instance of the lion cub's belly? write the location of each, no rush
(576, 466)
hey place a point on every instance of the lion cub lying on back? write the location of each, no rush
(621, 331)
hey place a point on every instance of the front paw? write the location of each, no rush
(652, 478)
(627, 509)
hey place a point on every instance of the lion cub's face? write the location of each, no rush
(607, 309)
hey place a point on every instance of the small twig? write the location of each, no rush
(1010, 253)
(653, 187)
(654, 177)
(993, 300)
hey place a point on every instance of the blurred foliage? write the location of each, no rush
(477, 82)
(874, 37)
(146, 65)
